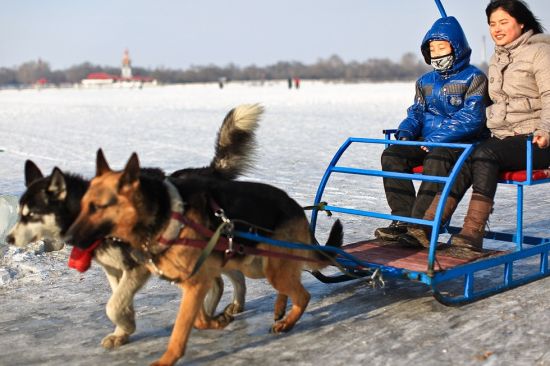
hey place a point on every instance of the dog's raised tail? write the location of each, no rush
(235, 143)
(335, 240)
(336, 235)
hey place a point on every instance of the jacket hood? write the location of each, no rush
(448, 29)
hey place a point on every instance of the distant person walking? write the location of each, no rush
(297, 83)
(221, 81)
(290, 83)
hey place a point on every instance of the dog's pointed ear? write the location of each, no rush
(131, 171)
(32, 173)
(58, 185)
(101, 164)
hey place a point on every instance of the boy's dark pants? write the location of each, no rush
(400, 193)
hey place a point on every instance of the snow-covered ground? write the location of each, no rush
(53, 315)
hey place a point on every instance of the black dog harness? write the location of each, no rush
(220, 240)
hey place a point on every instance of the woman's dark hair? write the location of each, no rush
(519, 11)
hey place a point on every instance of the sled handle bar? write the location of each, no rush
(441, 8)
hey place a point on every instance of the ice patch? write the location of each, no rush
(8, 215)
(5, 276)
(31, 264)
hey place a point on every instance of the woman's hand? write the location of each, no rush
(541, 141)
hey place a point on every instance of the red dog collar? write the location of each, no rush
(81, 259)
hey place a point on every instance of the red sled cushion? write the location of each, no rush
(518, 175)
(521, 175)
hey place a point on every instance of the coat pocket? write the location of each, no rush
(496, 114)
(523, 105)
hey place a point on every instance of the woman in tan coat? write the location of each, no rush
(519, 87)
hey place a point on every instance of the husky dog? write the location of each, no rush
(51, 204)
(147, 204)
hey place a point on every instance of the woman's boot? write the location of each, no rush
(418, 236)
(471, 235)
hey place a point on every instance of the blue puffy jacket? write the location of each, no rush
(450, 105)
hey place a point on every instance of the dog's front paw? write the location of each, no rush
(159, 363)
(220, 321)
(233, 309)
(281, 326)
(167, 359)
(224, 319)
(113, 341)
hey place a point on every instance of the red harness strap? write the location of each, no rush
(223, 243)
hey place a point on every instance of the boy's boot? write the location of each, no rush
(418, 236)
(392, 232)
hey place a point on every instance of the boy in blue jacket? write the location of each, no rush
(449, 106)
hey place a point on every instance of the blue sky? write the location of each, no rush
(178, 34)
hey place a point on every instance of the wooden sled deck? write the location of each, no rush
(392, 254)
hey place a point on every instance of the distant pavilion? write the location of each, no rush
(126, 79)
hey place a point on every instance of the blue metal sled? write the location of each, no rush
(452, 280)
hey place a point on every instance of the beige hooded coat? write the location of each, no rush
(519, 86)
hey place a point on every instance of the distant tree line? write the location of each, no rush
(332, 68)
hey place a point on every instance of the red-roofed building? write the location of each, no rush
(125, 80)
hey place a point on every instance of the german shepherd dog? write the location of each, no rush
(51, 204)
(137, 209)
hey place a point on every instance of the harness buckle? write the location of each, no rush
(230, 251)
(221, 214)
(376, 279)
(228, 228)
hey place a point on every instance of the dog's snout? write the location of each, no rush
(67, 238)
(72, 236)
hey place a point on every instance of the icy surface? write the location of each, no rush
(8, 214)
(52, 315)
